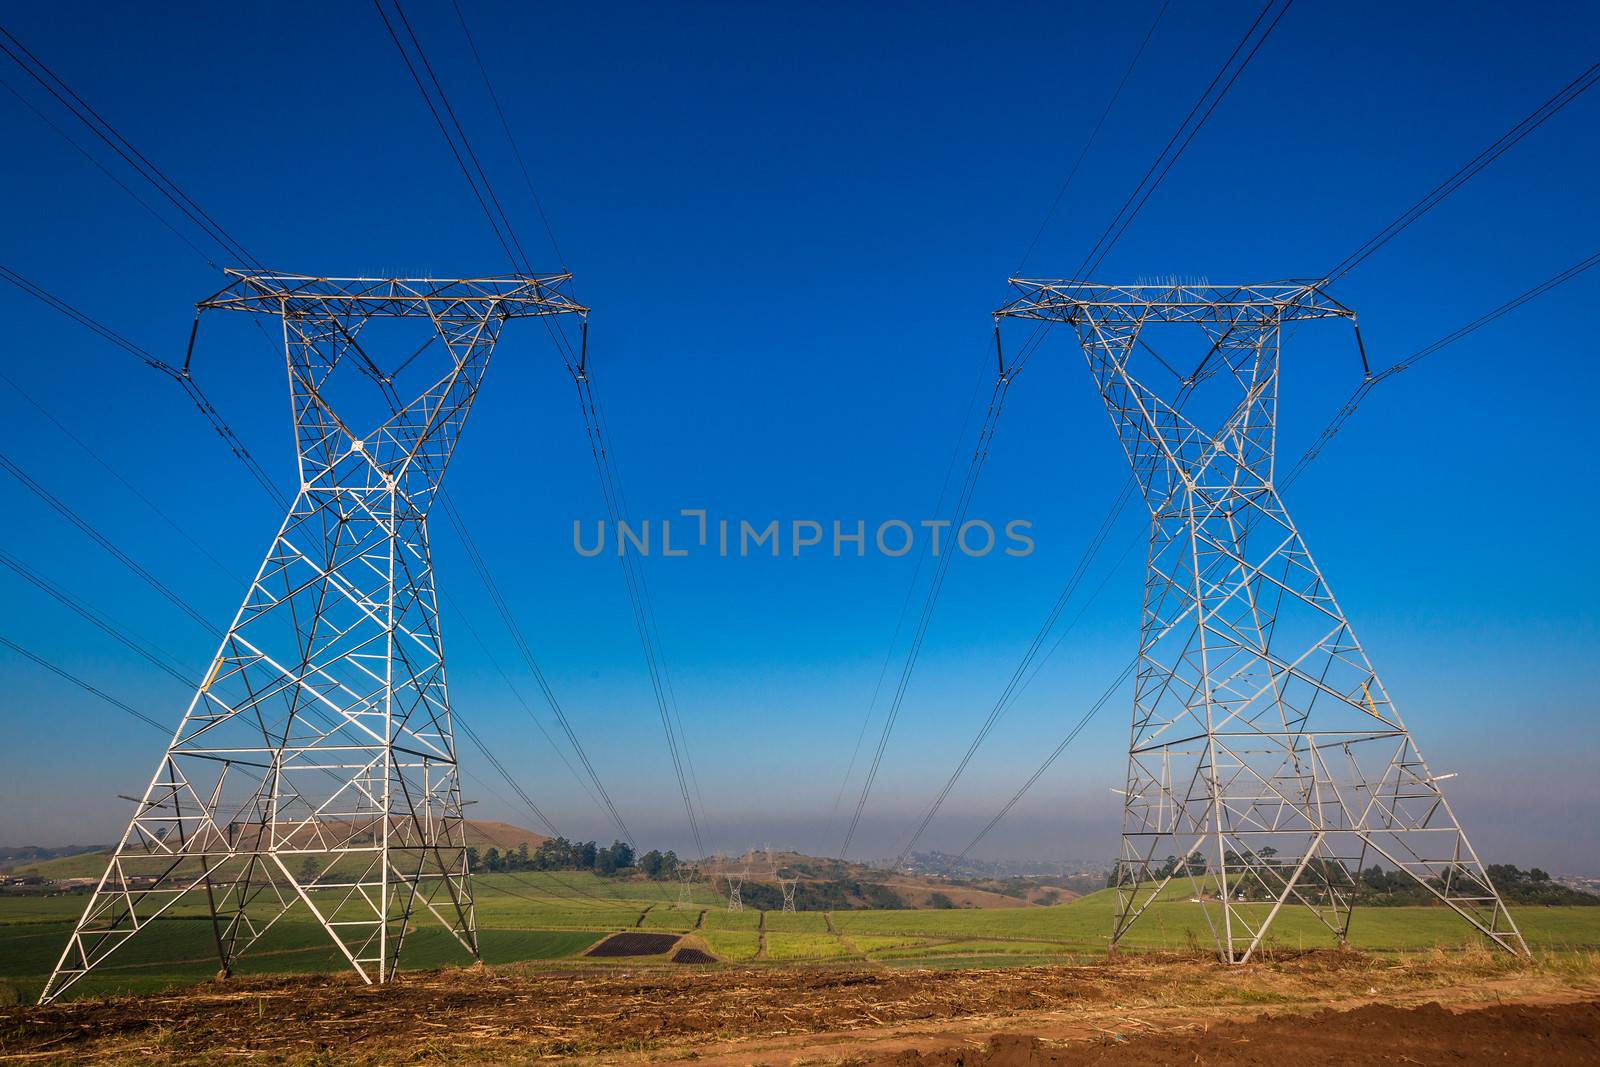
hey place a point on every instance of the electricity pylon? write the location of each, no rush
(315, 768)
(735, 884)
(788, 885)
(1267, 762)
(686, 877)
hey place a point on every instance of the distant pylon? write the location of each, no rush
(789, 885)
(1267, 763)
(735, 884)
(315, 767)
(686, 877)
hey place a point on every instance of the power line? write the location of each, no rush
(103, 169)
(160, 659)
(1135, 202)
(526, 651)
(1116, 94)
(1050, 760)
(1465, 173)
(969, 487)
(499, 223)
(176, 526)
(80, 109)
(1015, 682)
(462, 618)
(1530, 122)
(1349, 408)
(632, 579)
(191, 388)
(905, 603)
(653, 624)
(94, 534)
(638, 589)
(527, 178)
(81, 684)
(483, 191)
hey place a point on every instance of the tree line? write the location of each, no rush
(559, 854)
(1262, 875)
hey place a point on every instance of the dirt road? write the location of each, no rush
(1137, 1010)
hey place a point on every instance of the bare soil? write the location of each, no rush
(1551, 1034)
(1323, 1008)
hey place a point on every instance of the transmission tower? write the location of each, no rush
(686, 878)
(735, 884)
(315, 767)
(789, 886)
(1267, 763)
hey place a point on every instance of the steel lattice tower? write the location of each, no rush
(788, 885)
(1267, 763)
(315, 767)
(686, 878)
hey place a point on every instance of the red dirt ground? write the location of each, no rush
(1550, 1035)
(1135, 1010)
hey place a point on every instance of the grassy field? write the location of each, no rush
(538, 918)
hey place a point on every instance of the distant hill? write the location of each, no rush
(90, 861)
(482, 834)
(13, 857)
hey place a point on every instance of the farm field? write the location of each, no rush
(542, 920)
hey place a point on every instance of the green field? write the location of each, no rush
(538, 918)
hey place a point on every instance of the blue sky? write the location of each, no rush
(792, 226)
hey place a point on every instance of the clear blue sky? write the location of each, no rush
(792, 227)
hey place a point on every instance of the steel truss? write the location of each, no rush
(1267, 763)
(315, 767)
